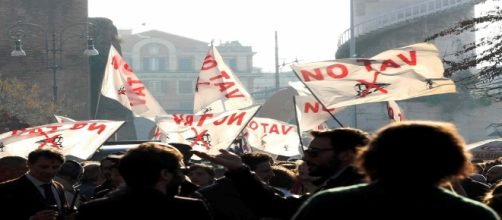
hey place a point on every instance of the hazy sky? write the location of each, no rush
(307, 29)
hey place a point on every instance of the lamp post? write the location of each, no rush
(53, 45)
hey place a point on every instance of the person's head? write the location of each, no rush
(92, 173)
(283, 177)
(71, 171)
(494, 174)
(330, 150)
(260, 163)
(108, 163)
(493, 198)
(12, 167)
(44, 163)
(416, 152)
(185, 150)
(152, 165)
(201, 174)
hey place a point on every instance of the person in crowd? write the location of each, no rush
(152, 173)
(282, 180)
(12, 167)
(201, 174)
(35, 195)
(223, 198)
(433, 152)
(494, 174)
(187, 187)
(493, 198)
(69, 176)
(109, 169)
(304, 182)
(260, 164)
(330, 156)
(91, 178)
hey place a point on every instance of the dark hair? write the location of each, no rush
(416, 151)
(140, 167)
(283, 177)
(12, 161)
(71, 169)
(49, 153)
(209, 169)
(254, 158)
(344, 138)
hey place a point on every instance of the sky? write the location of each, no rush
(308, 30)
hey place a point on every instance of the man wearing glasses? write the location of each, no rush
(330, 156)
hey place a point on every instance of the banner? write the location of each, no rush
(394, 111)
(217, 88)
(79, 139)
(272, 136)
(311, 114)
(207, 132)
(62, 119)
(121, 83)
(396, 74)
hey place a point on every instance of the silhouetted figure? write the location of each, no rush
(406, 163)
(152, 173)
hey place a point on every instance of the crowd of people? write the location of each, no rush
(405, 170)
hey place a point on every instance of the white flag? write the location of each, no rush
(394, 111)
(62, 119)
(79, 139)
(272, 136)
(217, 88)
(207, 132)
(121, 83)
(397, 74)
(311, 114)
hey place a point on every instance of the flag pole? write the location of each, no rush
(298, 125)
(319, 100)
(97, 105)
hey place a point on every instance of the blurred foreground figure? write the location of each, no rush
(152, 173)
(406, 163)
(12, 167)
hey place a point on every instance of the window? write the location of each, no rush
(231, 63)
(164, 86)
(185, 64)
(186, 87)
(153, 64)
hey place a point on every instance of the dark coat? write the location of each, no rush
(142, 204)
(225, 202)
(267, 203)
(392, 202)
(20, 199)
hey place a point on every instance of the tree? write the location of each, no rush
(479, 72)
(24, 104)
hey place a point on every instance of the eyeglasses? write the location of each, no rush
(314, 152)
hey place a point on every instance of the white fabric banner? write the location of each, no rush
(62, 119)
(217, 88)
(79, 139)
(311, 114)
(121, 83)
(205, 132)
(272, 136)
(396, 74)
(394, 112)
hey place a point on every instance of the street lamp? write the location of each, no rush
(20, 30)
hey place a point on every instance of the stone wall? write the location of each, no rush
(52, 16)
